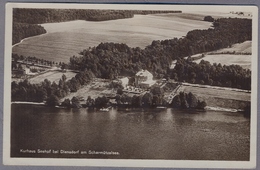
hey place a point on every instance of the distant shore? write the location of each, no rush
(29, 38)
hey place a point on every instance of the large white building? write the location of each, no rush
(144, 79)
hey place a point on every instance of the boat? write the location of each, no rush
(104, 109)
(161, 107)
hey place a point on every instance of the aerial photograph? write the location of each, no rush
(146, 84)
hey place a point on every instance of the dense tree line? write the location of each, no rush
(24, 30)
(187, 101)
(108, 60)
(150, 99)
(212, 74)
(48, 91)
(39, 16)
(32, 60)
(153, 98)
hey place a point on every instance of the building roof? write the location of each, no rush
(124, 80)
(149, 82)
(144, 73)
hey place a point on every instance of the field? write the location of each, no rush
(65, 39)
(245, 47)
(97, 88)
(52, 76)
(222, 14)
(220, 98)
(228, 59)
(199, 15)
(237, 54)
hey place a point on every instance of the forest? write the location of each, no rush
(40, 16)
(211, 74)
(33, 60)
(48, 91)
(109, 60)
(24, 30)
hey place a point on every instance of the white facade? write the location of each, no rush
(26, 70)
(144, 79)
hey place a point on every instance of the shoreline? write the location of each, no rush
(29, 38)
(207, 108)
(30, 103)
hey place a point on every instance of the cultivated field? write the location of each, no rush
(237, 54)
(228, 59)
(216, 15)
(220, 98)
(245, 47)
(199, 15)
(52, 76)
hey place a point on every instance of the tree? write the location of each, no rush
(209, 19)
(184, 104)
(157, 100)
(247, 111)
(63, 77)
(101, 102)
(136, 101)
(64, 66)
(119, 91)
(118, 99)
(176, 102)
(192, 100)
(41, 95)
(156, 90)
(147, 99)
(66, 103)
(201, 104)
(90, 102)
(75, 102)
(52, 101)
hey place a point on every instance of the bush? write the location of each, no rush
(209, 19)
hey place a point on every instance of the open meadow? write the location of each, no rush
(219, 97)
(52, 76)
(245, 47)
(228, 59)
(97, 88)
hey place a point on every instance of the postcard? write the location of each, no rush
(130, 85)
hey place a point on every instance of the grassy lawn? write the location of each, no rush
(52, 76)
(95, 89)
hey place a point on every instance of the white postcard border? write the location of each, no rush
(7, 160)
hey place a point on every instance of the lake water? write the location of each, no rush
(66, 39)
(131, 134)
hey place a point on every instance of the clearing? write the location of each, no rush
(245, 47)
(97, 88)
(228, 59)
(219, 97)
(53, 75)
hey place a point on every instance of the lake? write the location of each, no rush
(129, 134)
(66, 39)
